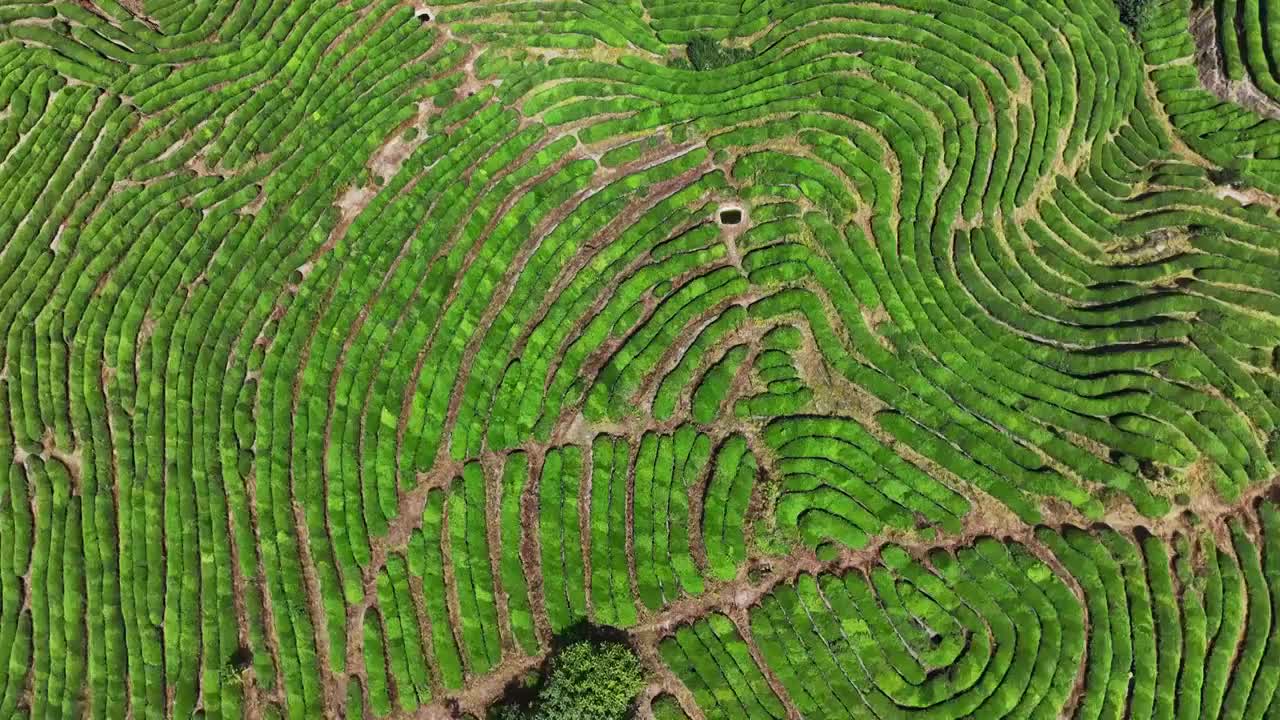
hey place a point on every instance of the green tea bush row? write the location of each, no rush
(563, 571)
(667, 468)
(1166, 628)
(611, 598)
(724, 507)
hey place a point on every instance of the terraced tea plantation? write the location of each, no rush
(896, 359)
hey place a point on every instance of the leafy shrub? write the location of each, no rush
(1229, 176)
(666, 707)
(586, 680)
(707, 54)
(1132, 12)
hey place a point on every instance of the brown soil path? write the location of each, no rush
(1213, 76)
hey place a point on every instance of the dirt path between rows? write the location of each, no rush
(1209, 64)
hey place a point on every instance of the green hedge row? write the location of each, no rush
(611, 600)
(1165, 628)
(668, 468)
(560, 537)
(724, 508)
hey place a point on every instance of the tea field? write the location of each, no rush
(845, 359)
